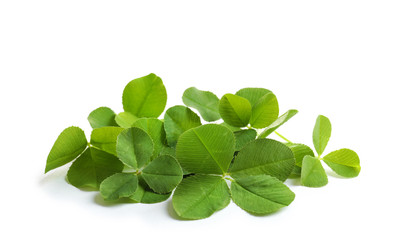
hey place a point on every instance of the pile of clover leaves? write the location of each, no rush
(137, 156)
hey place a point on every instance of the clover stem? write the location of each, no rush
(284, 138)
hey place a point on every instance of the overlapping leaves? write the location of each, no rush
(137, 156)
(257, 172)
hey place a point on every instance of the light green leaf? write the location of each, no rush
(199, 196)
(102, 117)
(145, 96)
(206, 149)
(134, 147)
(300, 151)
(92, 167)
(321, 134)
(313, 173)
(118, 185)
(344, 162)
(125, 119)
(243, 137)
(105, 138)
(261, 194)
(155, 129)
(68, 146)
(277, 123)
(253, 95)
(235, 110)
(205, 102)
(263, 156)
(264, 111)
(145, 194)
(177, 120)
(163, 174)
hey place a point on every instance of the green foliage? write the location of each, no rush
(277, 123)
(321, 133)
(92, 167)
(125, 119)
(206, 149)
(118, 185)
(260, 194)
(199, 196)
(253, 95)
(177, 120)
(265, 111)
(137, 156)
(102, 117)
(68, 146)
(264, 106)
(145, 194)
(105, 138)
(300, 151)
(242, 137)
(163, 174)
(134, 147)
(235, 110)
(264, 156)
(155, 129)
(145, 96)
(312, 173)
(205, 102)
(344, 162)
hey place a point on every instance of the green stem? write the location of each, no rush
(284, 138)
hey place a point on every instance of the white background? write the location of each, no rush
(349, 60)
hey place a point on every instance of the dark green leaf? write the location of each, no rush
(277, 123)
(344, 162)
(134, 147)
(235, 110)
(145, 194)
(199, 196)
(321, 134)
(92, 167)
(102, 117)
(264, 156)
(68, 146)
(243, 137)
(261, 194)
(205, 102)
(163, 174)
(177, 120)
(206, 149)
(145, 96)
(105, 138)
(118, 185)
(313, 173)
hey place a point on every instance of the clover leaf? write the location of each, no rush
(204, 101)
(138, 156)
